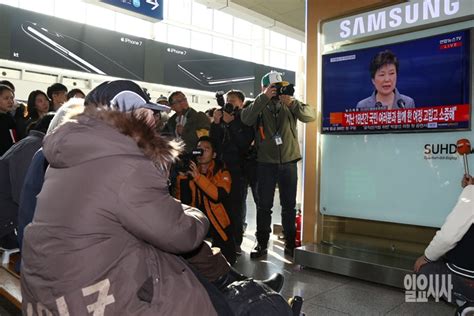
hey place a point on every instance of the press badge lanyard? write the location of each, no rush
(276, 137)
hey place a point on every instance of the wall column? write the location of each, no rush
(317, 11)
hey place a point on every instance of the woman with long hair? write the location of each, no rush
(8, 132)
(37, 107)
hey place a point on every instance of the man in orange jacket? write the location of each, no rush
(206, 186)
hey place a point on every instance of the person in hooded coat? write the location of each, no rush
(106, 235)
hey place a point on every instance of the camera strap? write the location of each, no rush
(275, 113)
(259, 126)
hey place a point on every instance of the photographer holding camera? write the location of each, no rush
(206, 186)
(274, 113)
(232, 139)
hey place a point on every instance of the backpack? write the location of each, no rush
(248, 298)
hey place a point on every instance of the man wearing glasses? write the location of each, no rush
(186, 124)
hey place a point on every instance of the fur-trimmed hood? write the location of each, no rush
(107, 133)
(104, 199)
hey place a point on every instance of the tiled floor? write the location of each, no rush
(327, 293)
(331, 294)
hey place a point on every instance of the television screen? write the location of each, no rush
(418, 85)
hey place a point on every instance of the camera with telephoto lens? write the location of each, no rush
(284, 90)
(185, 159)
(226, 107)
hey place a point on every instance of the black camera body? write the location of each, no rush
(185, 159)
(285, 90)
(226, 107)
(229, 108)
(220, 98)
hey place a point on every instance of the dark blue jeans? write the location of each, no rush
(286, 175)
(234, 204)
(252, 183)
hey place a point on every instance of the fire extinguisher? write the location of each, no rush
(298, 229)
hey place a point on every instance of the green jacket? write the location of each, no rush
(197, 125)
(274, 118)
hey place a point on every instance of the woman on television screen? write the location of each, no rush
(384, 71)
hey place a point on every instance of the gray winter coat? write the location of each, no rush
(106, 233)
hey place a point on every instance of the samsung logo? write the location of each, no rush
(410, 13)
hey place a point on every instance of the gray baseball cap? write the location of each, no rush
(122, 95)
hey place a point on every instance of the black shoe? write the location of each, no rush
(258, 251)
(275, 281)
(289, 251)
(465, 309)
(466, 306)
(238, 250)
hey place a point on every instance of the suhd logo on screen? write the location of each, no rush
(440, 151)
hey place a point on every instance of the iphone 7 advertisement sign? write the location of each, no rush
(49, 41)
(190, 68)
(204, 71)
(54, 42)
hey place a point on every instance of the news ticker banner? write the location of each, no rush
(409, 178)
(435, 117)
(432, 74)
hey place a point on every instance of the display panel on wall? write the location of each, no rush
(184, 67)
(41, 39)
(45, 40)
(424, 87)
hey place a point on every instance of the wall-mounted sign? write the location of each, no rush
(397, 17)
(45, 40)
(151, 10)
